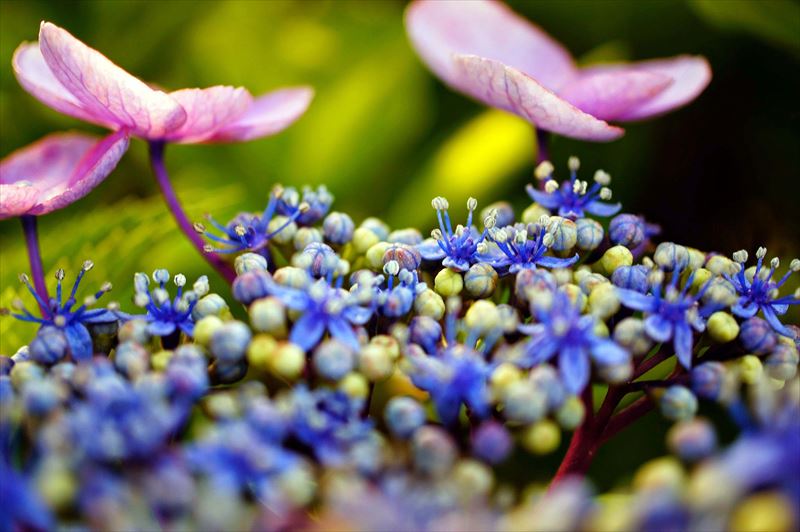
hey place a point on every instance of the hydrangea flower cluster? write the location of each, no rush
(377, 381)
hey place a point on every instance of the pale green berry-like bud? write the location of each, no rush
(678, 403)
(249, 262)
(480, 280)
(543, 170)
(603, 301)
(782, 363)
(630, 334)
(589, 234)
(160, 360)
(55, 483)
(355, 385)
(298, 485)
(589, 281)
(433, 451)
(134, 330)
(571, 413)
(532, 214)
(305, 236)
(25, 371)
(205, 328)
(771, 510)
(522, 402)
(292, 277)
(268, 315)
(502, 377)
(509, 318)
(363, 239)
(285, 235)
(543, 437)
(562, 275)
(696, 258)
(448, 283)
(719, 264)
(658, 475)
(472, 479)
(482, 316)
(260, 351)
(375, 362)
(750, 369)
(721, 292)
(565, 233)
(288, 361)
(429, 304)
(615, 373)
(701, 276)
(613, 258)
(211, 305)
(671, 256)
(387, 343)
(375, 254)
(601, 329)
(722, 327)
(576, 295)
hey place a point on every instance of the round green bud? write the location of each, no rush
(249, 262)
(56, 483)
(615, 373)
(603, 301)
(565, 233)
(429, 304)
(268, 315)
(288, 361)
(25, 371)
(160, 360)
(205, 328)
(782, 363)
(719, 264)
(482, 316)
(678, 403)
(502, 377)
(285, 235)
(363, 239)
(696, 258)
(472, 479)
(375, 362)
(770, 510)
(722, 327)
(589, 234)
(658, 474)
(448, 282)
(750, 368)
(211, 305)
(389, 343)
(481, 280)
(261, 350)
(588, 281)
(701, 276)
(306, 236)
(601, 329)
(671, 256)
(532, 214)
(292, 277)
(571, 413)
(355, 385)
(576, 295)
(630, 334)
(375, 254)
(297, 485)
(613, 258)
(543, 437)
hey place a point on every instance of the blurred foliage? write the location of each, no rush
(385, 136)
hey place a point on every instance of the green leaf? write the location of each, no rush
(775, 21)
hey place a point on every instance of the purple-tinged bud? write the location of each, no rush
(317, 259)
(782, 363)
(631, 277)
(630, 334)
(403, 416)
(250, 286)
(407, 257)
(132, 360)
(229, 342)
(338, 228)
(134, 330)
(480, 280)
(249, 262)
(545, 379)
(627, 230)
(40, 396)
(491, 442)
(757, 336)
(292, 277)
(537, 280)
(671, 257)
(692, 440)
(333, 359)
(565, 233)
(678, 403)
(503, 213)
(187, 372)
(590, 234)
(433, 451)
(305, 236)
(377, 226)
(49, 346)
(424, 331)
(408, 236)
(707, 379)
(522, 402)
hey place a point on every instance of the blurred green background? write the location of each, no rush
(385, 136)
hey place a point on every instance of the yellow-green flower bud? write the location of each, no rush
(363, 239)
(571, 413)
(472, 479)
(261, 350)
(603, 301)
(613, 258)
(205, 328)
(750, 368)
(375, 362)
(532, 214)
(56, 483)
(719, 264)
(565, 233)
(503, 375)
(481, 280)
(292, 277)
(288, 361)
(389, 343)
(375, 255)
(285, 235)
(354, 385)
(448, 282)
(543, 437)
(696, 258)
(770, 510)
(601, 329)
(722, 327)
(701, 275)
(160, 360)
(630, 334)
(658, 474)
(482, 316)
(429, 304)
(268, 315)
(575, 295)
(211, 305)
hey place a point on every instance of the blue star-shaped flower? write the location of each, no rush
(458, 248)
(164, 316)
(573, 198)
(523, 247)
(318, 201)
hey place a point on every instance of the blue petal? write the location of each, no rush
(683, 344)
(544, 199)
(357, 315)
(531, 329)
(447, 407)
(460, 265)
(539, 349)
(746, 309)
(780, 308)
(555, 262)
(773, 320)
(79, 341)
(343, 331)
(307, 331)
(573, 364)
(100, 316)
(635, 300)
(161, 328)
(187, 327)
(430, 250)
(598, 208)
(658, 328)
(610, 353)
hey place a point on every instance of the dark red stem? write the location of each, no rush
(162, 178)
(35, 258)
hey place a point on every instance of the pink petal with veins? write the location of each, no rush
(105, 90)
(56, 171)
(609, 95)
(269, 114)
(690, 76)
(439, 29)
(208, 110)
(501, 86)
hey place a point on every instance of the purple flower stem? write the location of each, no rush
(162, 178)
(35, 258)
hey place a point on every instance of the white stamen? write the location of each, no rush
(576, 187)
(795, 265)
(543, 220)
(87, 265)
(655, 277)
(201, 285)
(491, 219)
(240, 230)
(775, 263)
(60, 321)
(605, 193)
(520, 237)
(472, 204)
(60, 274)
(740, 256)
(482, 248)
(208, 248)
(574, 164)
(23, 278)
(160, 296)
(141, 300)
(761, 252)
(391, 268)
(303, 207)
(602, 177)
(89, 301)
(550, 186)
(17, 303)
(180, 280)
(199, 227)
(548, 239)
(113, 306)
(436, 234)
(105, 287)
(543, 169)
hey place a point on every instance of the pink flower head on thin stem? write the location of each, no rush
(74, 79)
(487, 51)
